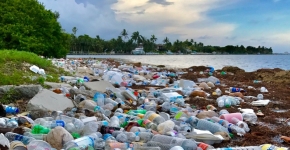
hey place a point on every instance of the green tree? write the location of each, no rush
(28, 26)
(124, 34)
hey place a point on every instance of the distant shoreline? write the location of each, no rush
(172, 54)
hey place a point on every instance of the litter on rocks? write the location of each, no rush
(116, 106)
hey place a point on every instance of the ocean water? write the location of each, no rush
(247, 62)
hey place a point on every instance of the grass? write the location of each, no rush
(14, 68)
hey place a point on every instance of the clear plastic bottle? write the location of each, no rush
(218, 91)
(155, 118)
(54, 123)
(222, 122)
(114, 122)
(235, 129)
(17, 137)
(117, 145)
(227, 102)
(203, 124)
(90, 140)
(223, 111)
(250, 117)
(260, 96)
(36, 136)
(221, 102)
(12, 123)
(240, 124)
(174, 141)
(99, 99)
(144, 136)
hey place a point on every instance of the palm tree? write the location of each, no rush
(153, 38)
(191, 40)
(135, 36)
(124, 34)
(166, 40)
(74, 30)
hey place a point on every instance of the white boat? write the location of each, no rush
(169, 53)
(138, 51)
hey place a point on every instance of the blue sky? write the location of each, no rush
(213, 22)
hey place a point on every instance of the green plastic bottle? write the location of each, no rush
(140, 122)
(139, 111)
(39, 129)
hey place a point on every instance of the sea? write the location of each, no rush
(247, 62)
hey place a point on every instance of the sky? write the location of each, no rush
(212, 22)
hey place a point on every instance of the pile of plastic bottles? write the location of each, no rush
(161, 119)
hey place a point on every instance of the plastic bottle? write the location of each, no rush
(235, 129)
(222, 122)
(36, 136)
(17, 137)
(174, 141)
(90, 140)
(223, 111)
(203, 124)
(218, 91)
(155, 118)
(241, 124)
(234, 89)
(54, 123)
(117, 145)
(11, 110)
(227, 103)
(205, 146)
(12, 123)
(139, 129)
(144, 136)
(137, 111)
(110, 101)
(149, 125)
(271, 147)
(250, 117)
(39, 129)
(38, 145)
(65, 118)
(260, 96)
(108, 129)
(114, 122)
(99, 99)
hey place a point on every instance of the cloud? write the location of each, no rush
(175, 19)
(185, 18)
(161, 2)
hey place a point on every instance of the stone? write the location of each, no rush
(87, 93)
(57, 85)
(22, 91)
(99, 86)
(49, 100)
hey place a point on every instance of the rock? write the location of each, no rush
(210, 84)
(49, 100)
(203, 85)
(237, 94)
(83, 71)
(57, 137)
(87, 93)
(57, 85)
(197, 93)
(39, 113)
(22, 91)
(206, 114)
(99, 86)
